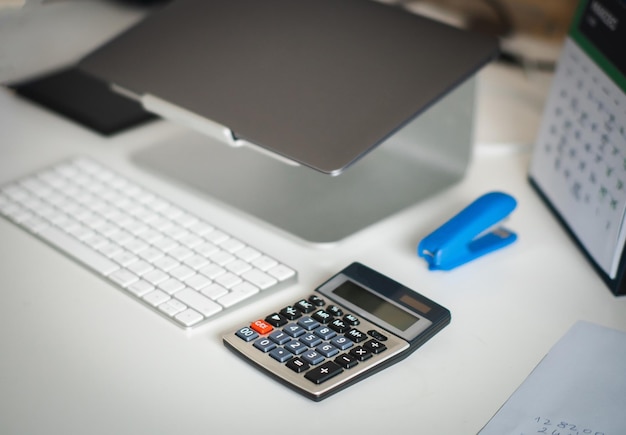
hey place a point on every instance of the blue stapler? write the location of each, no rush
(469, 234)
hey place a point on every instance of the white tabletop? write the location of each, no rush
(79, 357)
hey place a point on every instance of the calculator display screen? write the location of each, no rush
(375, 305)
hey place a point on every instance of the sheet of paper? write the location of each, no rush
(578, 388)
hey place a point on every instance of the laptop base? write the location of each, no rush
(427, 156)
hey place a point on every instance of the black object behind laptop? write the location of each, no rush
(86, 100)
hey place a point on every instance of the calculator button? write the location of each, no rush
(279, 337)
(356, 335)
(310, 340)
(323, 372)
(264, 344)
(304, 306)
(360, 353)
(246, 334)
(322, 316)
(261, 327)
(342, 343)
(290, 312)
(327, 350)
(296, 347)
(308, 323)
(377, 335)
(281, 355)
(346, 361)
(317, 301)
(276, 320)
(339, 326)
(375, 346)
(325, 333)
(312, 357)
(335, 311)
(297, 365)
(294, 330)
(351, 319)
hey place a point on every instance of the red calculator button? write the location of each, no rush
(262, 327)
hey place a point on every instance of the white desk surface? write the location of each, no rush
(80, 357)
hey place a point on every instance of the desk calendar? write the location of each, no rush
(579, 161)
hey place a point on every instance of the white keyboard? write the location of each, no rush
(179, 265)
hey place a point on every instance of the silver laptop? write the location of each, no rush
(318, 83)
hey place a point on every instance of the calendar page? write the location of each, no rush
(579, 161)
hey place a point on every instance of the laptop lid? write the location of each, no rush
(318, 82)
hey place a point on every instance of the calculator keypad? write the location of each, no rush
(314, 344)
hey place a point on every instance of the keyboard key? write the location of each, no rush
(281, 272)
(197, 281)
(156, 297)
(171, 286)
(172, 307)
(140, 288)
(198, 302)
(189, 317)
(259, 278)
(214, 291)
(228, 280)
(237, 294)
(156, 276)
(123, 277)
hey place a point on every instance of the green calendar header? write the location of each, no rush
(599, 28)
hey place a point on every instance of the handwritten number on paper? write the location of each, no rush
(564, 428)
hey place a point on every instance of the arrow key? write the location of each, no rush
(276, 320)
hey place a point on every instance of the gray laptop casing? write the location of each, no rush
(319, 82)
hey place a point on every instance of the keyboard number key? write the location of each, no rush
(264, 344)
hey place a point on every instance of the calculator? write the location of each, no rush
(355, 324)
